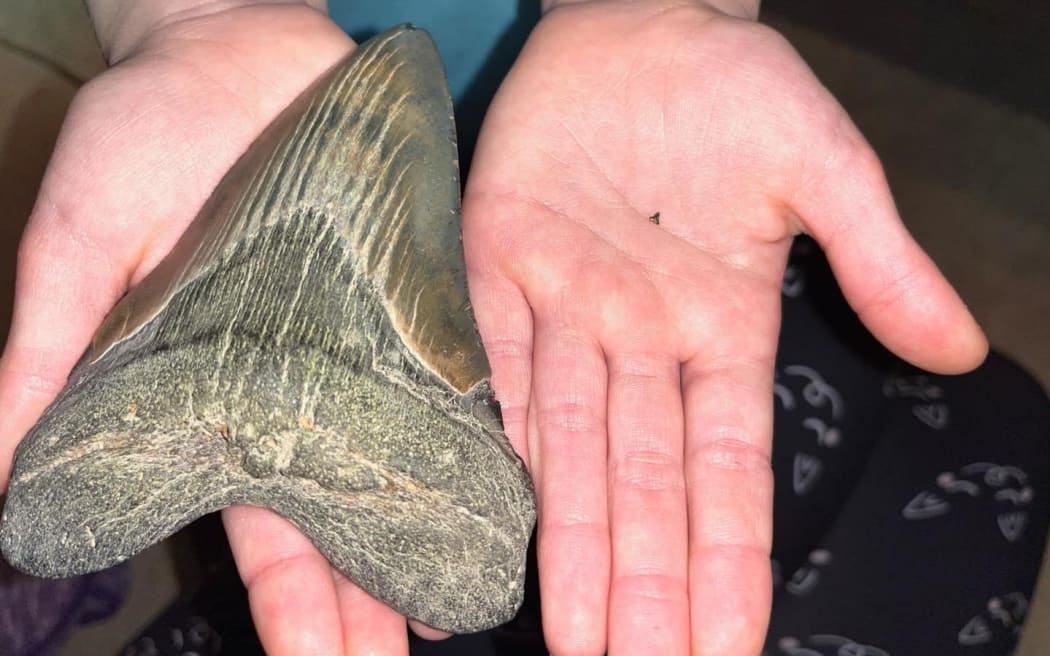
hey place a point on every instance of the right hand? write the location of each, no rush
(634, 363)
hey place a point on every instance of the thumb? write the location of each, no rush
(891, 283)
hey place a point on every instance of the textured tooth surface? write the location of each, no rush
(307, 346)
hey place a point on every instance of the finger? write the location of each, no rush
(64, 288)
(729, 488)
(426, 632)
(567, 423)
(290, 585)
(649, 600)
(370, 627)
(894, 287)
(504, 321)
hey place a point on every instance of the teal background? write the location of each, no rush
(478, 41)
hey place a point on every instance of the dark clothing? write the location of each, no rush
(911, 509)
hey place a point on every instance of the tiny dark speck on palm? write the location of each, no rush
(655, 218)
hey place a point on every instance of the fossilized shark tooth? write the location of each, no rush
(307, 346)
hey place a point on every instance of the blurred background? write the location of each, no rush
(954, 97)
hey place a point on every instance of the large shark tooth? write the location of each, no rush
(308, 346)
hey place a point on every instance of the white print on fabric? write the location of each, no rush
(814, 396)
(1001, 617)
(185, 642)
(795, 275)
(794, 282)
(1006, 485)
(929, 406)
(807, 577)
(805, 472)
(817, 392)
(826, 644)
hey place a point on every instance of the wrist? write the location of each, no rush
(746, 9)
(121, 25)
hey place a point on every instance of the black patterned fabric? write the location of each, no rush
(911, 509)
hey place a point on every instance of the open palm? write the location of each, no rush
(634, 193)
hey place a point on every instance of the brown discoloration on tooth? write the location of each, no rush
(307, 346)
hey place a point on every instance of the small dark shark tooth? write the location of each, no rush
(307, 346)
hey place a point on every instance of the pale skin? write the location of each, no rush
(633, 361)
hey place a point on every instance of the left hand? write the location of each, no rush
(634, 361)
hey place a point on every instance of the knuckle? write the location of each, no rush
(276, 568)
(740, 553)
(507, 348)
(35, 371)
(733, 455)
(652, 585)
(32, 383)
(649, 470)
(513, 414)
(637, 371)
(573, 527)
(568, 416)
(58, 230)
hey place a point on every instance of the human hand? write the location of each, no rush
(634, 361)
(142, 148)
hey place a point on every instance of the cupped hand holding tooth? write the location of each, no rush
(634, 360)
(142, 147)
